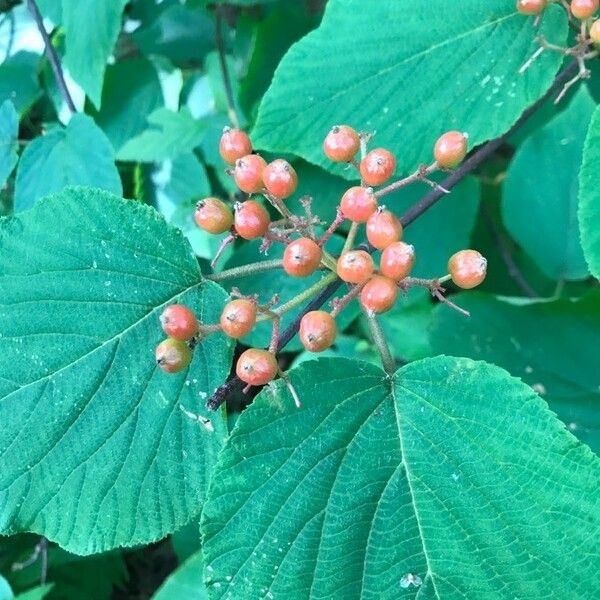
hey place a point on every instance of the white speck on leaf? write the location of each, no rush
(410, 579)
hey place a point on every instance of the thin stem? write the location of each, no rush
(247, 270)
(420, 174)
(306, 294)
(339, 219)
(389, 366)
(231, 111)
(351, 237)
(341, 303)
(52, 55)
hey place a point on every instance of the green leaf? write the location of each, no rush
(185, 582)
(79, 154)
(547, 344)
(131, 92)
(91, 31)
(169, 135)
(186, 541)
(37, 593)
(540, 195)
(407, 76)
(450, 480)
(5, 591)
(589, 197)
(84, 277)
(9, 145)
(19, 80)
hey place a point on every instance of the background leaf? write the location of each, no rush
(407, 77)
(18, 80)
(185, 582)
(540, 195)
(423, 486)
(589, 197)
(9, 145)
(79, 154)
(85, 276)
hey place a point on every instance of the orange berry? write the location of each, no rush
(377, 166)
(584, 9)
(358, 204)
(531, 7)
(213, 215)
(173, 355)
(595, 32)
(251, 219)
(238, 317)
(234, 144)
(248, 173)
(355, 266)
(302, 257)
(341, 143)
(379, 294)
(450, 149)
(467, 268)
(383, 229)
(256, 366)
(397, 260)
(317, 330)
(179, 322)
(280, 178)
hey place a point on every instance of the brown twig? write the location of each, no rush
(220, 43)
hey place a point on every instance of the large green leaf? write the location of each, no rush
(5, 591)
(547, 344)
(450, 480)
(540, 195)
(589, 197)
(185, 582)
(9, 145)
(408, 74)
(79, 154)
(91, 30)
(84, 277)
(19, 80)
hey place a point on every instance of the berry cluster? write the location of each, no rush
(587, 46)
(304, 237)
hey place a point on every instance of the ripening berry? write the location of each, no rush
(358, 204)
(213, 215)
(595, 32)
(280, 178)
(238, 317)
(179, 322)
(234, 144)
(248, 173)
(317, 330)
(383, 229)
(379, 294)
(397, 260)
(173, 355)
(302, 257)
(341, 143)
(355, 266)
(531, 7)
(467, 268)
(450, 149)
(256, 367)
(251, 219)
(584, 9)
(377, 166)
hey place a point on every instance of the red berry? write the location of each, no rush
(213, 215)
(467, 268)
(238, 317)
(341, 143)
(377, 166)
(248, 173)
(383, 229)
(531, 7)
(256, 367)
(355, 266)
(173, 355)
(251, 220)
(280, 178)
(179, 322)
(317, 330)
(450, 149)
(358, 204)
(234, 144)
(397, 260)
(302, 257)
(379, 294)
(595, 32)
(584, 9)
